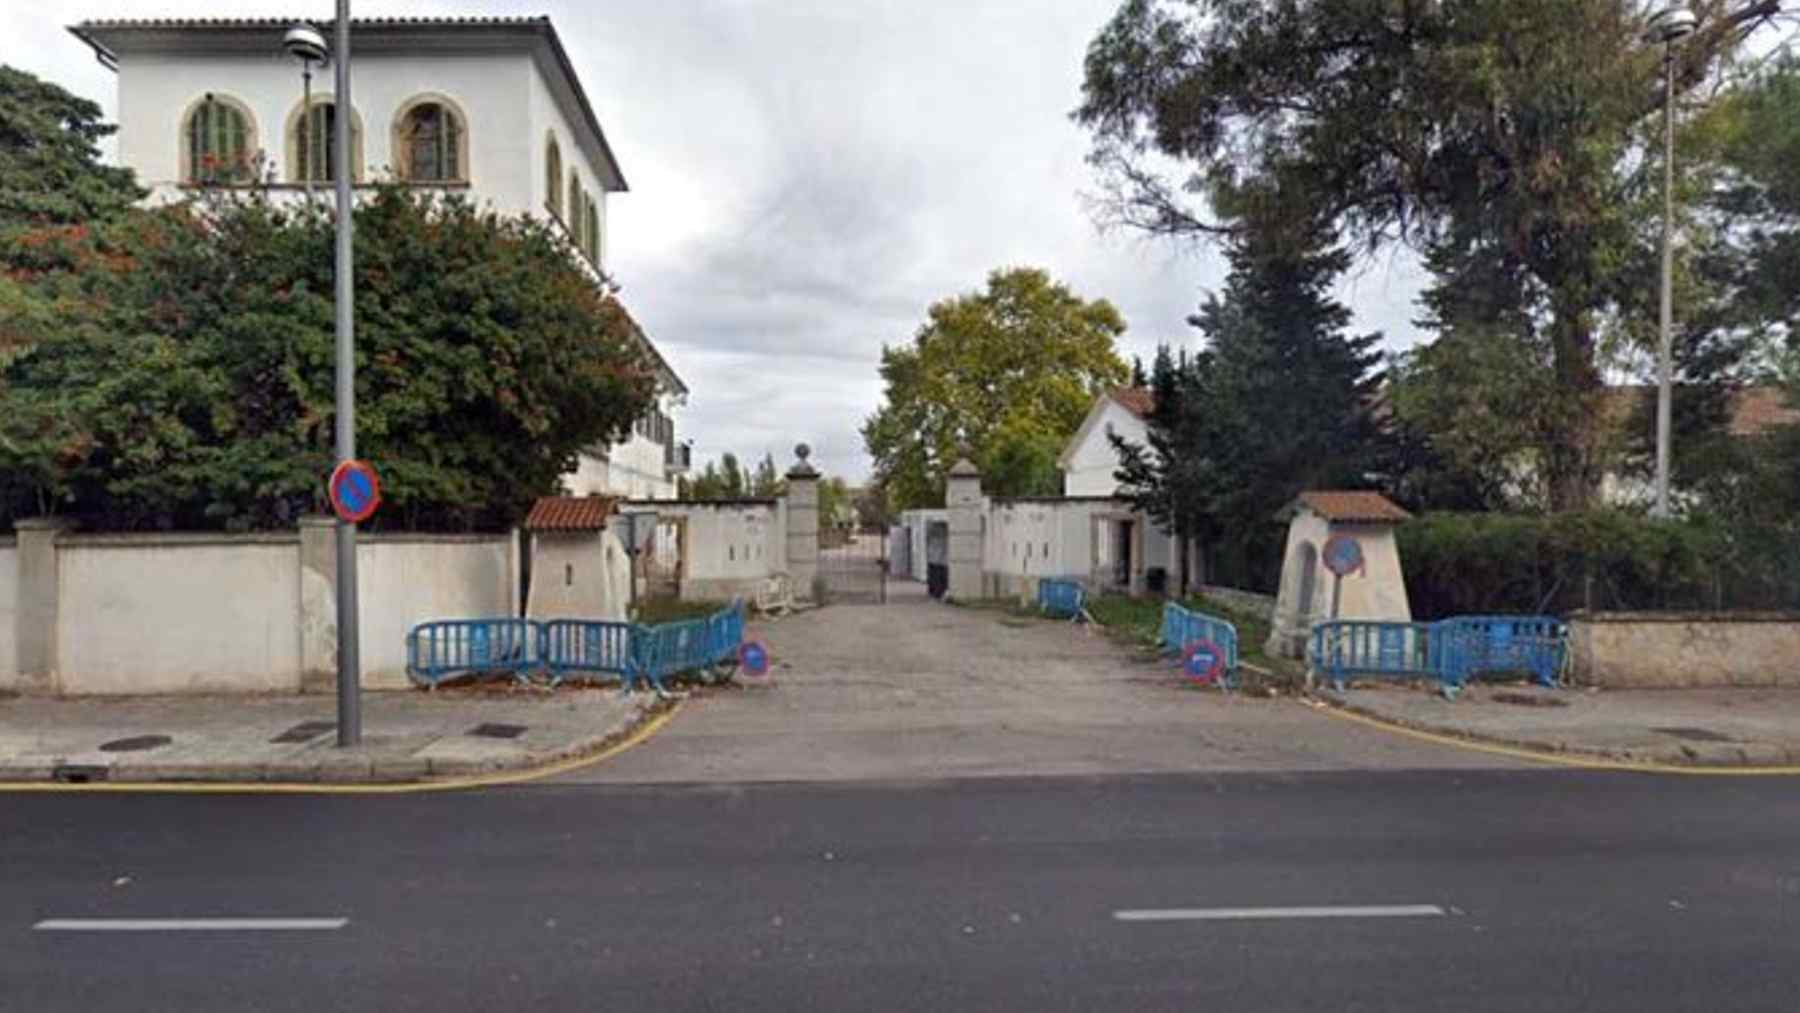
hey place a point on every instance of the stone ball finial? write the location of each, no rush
(802, 451)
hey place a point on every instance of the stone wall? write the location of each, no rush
(1645, 650)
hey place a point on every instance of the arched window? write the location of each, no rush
(573, 221)
(312, 143)
(553, 176)
(218, 141)
(431, 142)
(592, 229)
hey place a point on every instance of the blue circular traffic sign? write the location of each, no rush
(754, 657)
(355, 491)
(1202, 661)
(1343, 555)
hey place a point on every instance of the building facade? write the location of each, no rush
(486, 107)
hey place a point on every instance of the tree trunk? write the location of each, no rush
(1570, 423)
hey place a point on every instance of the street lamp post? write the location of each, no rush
(1667, 26)
(349, 731)
(304, 42)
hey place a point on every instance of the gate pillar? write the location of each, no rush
(803, 524)
(967, 508)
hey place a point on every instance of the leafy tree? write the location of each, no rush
(872, 505)
(767, 483)
(834, 503)
(1501, 132)
(190, 383)
(1022, 360)
(50, 169)
(1023, 463)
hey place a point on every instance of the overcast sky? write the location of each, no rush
(806, 178)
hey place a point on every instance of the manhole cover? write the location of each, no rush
(136, 743)
(1694, 734)
(305, 731)
(489, 730)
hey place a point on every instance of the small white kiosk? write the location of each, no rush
(1358, 529)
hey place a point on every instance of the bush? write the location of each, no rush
(1460, 564)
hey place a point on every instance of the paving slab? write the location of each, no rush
(407, 735)
(1704, 727)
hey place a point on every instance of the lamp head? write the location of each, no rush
(1671, 24)
(304, 42)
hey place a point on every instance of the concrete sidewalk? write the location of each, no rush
(1693, 727)
(407, 735)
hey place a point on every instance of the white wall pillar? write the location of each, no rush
(964, 500)
(36, 620)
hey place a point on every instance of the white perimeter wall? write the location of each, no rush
(401, 582)
(178, 616)
(9, 610)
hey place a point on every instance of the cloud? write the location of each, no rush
(808, 177)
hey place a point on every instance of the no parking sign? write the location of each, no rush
(1202, 661)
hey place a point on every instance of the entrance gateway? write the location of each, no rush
(853, 561)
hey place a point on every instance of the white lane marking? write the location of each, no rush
(190, 924)
(1220, 914)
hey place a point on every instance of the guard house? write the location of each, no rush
(1374, 590)
(579, 570)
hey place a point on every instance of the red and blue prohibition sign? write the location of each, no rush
(1202, 661)
(355, 491)
(754, 657)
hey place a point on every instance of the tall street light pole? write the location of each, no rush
(349, 723)
(1667, 26)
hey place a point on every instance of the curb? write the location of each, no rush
(1737, 758)
(344, 775)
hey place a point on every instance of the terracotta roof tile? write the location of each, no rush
(1136, 400)
(1354, 507)
(570, 513)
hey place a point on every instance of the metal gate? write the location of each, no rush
(853, 564)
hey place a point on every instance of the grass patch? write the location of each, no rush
(1138, 622)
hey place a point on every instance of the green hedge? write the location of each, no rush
(1459, 564)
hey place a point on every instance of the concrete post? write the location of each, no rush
(318, 604)
(36, 620)
(803, 524)
(964, 500)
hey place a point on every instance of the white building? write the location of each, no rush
(1089, 461)
(488, 107)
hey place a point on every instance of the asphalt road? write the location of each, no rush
(1559, 890)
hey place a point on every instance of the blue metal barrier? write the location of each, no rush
(450, 648)
(1345, 648)
(691, 645)
(580, 648)
(574, 648)
(1452, 651)
(1062, 599)
(1488, 645)
(1182, 626)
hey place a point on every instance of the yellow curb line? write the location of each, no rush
(636, 736)
(1555, 759)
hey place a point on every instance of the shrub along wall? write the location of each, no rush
(1458, 564)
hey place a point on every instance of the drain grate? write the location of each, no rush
(305, 731)
(79, 773)
(1694, 734)
(489, 730)
(135, 744)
